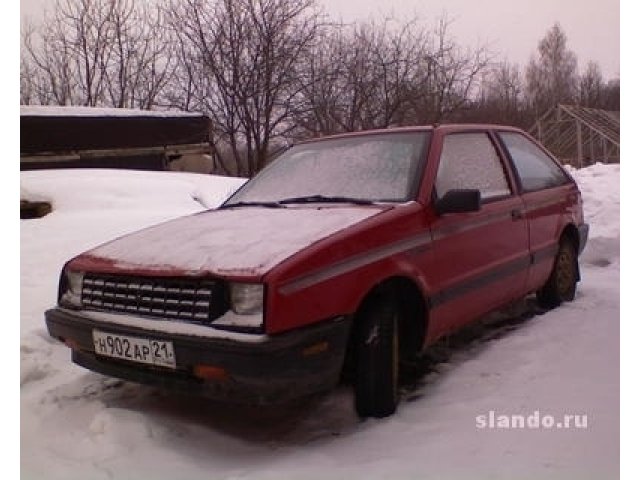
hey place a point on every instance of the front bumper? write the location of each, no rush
(278, 369)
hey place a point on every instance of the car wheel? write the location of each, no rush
(377, 359)
(561, 285)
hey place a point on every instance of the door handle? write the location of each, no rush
(516, 214)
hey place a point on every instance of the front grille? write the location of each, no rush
(191, 300)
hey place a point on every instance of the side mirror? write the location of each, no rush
(458, 201)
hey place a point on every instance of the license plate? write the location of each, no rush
(135, 349)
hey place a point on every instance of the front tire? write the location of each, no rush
(561, 285)
(377, 359)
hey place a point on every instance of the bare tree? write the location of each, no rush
(505, 86)
(378, 74)
(360, 77)
(592, 87)
(249, 54)
(450, 76)
(611, 95)
(48, 59)
(98, 52)
(502, 96)
(27, 83)
(552, 78)
(140, 59)
(320, 88)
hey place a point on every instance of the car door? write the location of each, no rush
(548, 195)
(480, 259)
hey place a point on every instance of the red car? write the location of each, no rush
(352, 252)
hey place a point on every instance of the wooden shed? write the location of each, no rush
(88, 137)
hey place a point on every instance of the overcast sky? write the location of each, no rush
(512, 28)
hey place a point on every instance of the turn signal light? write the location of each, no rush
(72, 344)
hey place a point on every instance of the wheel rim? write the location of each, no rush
(565, 271)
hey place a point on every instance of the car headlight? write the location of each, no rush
(70, 290)
(247, 298)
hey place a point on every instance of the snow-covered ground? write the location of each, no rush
(79, 425)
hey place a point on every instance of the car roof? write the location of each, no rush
(448, 127)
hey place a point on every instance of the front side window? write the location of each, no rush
(470, 161)
(535, 168)
(381, 167)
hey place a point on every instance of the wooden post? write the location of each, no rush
(579, 142)
(604, 149)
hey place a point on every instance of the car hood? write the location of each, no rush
(246, 241)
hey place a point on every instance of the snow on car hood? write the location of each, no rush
(236, 241)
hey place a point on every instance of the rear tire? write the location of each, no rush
(377, 359)
(561, 285)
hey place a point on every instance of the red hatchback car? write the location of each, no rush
(355, 251)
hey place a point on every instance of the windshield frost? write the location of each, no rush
(381, 167)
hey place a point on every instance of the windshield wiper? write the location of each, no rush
(324, 199)
(298, 200)
(252, 204)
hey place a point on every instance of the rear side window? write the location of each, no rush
(535, 168)
(470, 161)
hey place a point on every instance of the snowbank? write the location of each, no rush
(600, 186)
(79, 425)
(97, 190)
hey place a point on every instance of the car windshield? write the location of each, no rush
(381, 167)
